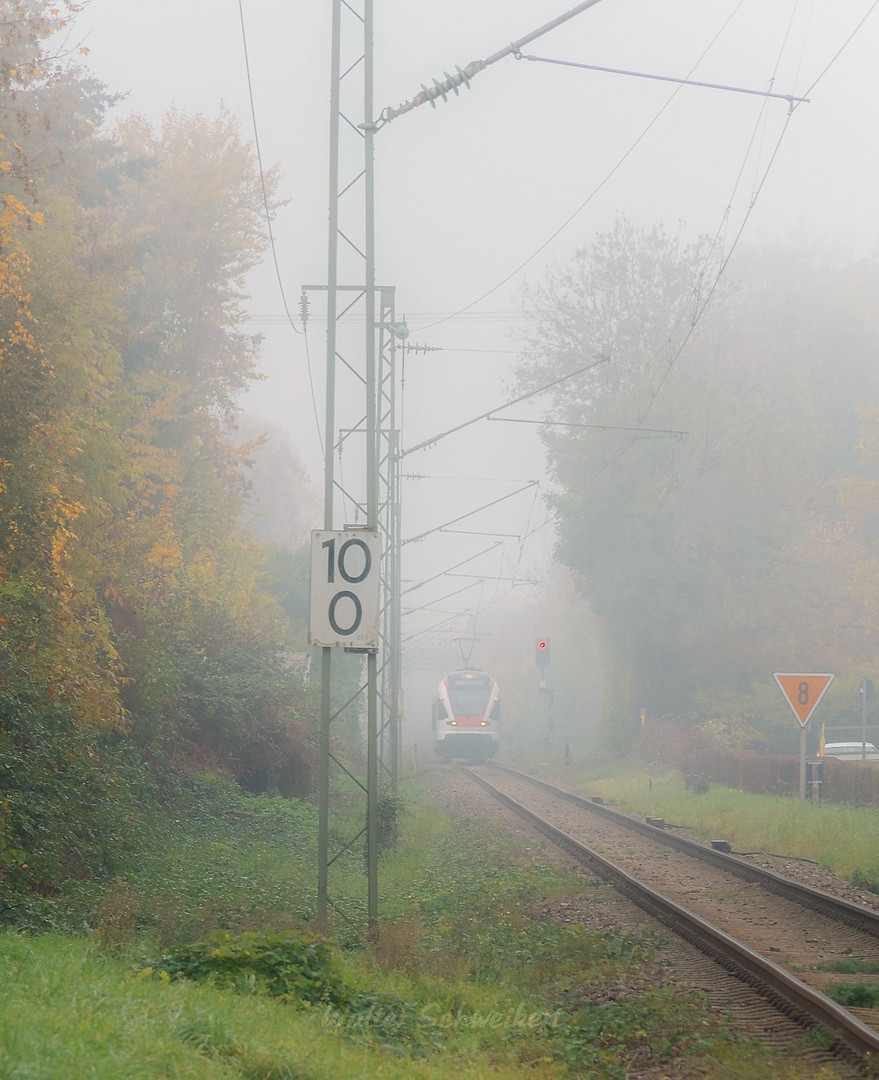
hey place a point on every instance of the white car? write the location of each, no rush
(851, 751)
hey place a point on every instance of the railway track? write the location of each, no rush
(773, 933)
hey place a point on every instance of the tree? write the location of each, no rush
(281, 504)
(202, 641)
(140, 622)
(708, 539)
(189, 226)
(55, 417)
(131, 591)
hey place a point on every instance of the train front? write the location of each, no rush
(466, 715)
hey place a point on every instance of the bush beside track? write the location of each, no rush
(852, 782)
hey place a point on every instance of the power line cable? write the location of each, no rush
(695, 293)
(661, 78)
(598, 187)
(320, 435)
(700, 311)
(729, 254)
(268, 216)
(697, 317)
(265, 196)
(843, 47)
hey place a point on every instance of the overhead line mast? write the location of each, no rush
(363, 247)
(383, 454)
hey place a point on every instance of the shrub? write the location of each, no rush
(854, 995)
(286, 964)
(69, 803)
(390, 810)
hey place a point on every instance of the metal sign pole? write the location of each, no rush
(329, 428)
(371, 459)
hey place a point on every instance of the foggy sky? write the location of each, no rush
(468, 191)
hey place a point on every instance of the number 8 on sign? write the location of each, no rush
(802, 692)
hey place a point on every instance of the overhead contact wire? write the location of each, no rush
(596, 190)
(755, 197)
(696, 292)
(265, 196)
(268, 216)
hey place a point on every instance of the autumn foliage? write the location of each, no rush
(134, 604)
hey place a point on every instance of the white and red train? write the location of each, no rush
(466, 716)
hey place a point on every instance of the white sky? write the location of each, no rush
(470, 190)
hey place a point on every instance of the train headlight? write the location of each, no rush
(452, 723)
(483, 723)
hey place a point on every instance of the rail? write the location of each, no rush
(789, 994)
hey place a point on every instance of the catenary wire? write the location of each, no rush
(598, 187)
(700, 311)
(262, 177)
(843, 47)
(268, 215)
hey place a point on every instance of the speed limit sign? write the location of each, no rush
(345, 569)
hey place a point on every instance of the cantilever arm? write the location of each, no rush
(462, 76)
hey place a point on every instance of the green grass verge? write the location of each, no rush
(459, 979)
(844, 839)
(854, 995)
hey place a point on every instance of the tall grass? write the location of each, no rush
(844, 839)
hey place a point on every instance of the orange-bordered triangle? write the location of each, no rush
(802, 691)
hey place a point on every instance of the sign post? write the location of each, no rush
(802, 692)
(866, 690)
(344, 612)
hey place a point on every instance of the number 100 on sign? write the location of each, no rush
(345, 589)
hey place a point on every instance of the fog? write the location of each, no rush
(480, 195)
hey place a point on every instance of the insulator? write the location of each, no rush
(441, 89)
(303, 307)
(414, 348)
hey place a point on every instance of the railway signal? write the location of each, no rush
(541, 652)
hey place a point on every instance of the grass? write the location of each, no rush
(459, 979)
(69, 1013)
(847, 965)
(842, 838)
(854, 995)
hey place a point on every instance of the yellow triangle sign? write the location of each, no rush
(802, 692)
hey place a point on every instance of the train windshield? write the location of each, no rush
(469, 693)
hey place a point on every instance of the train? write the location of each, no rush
(466, 713)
